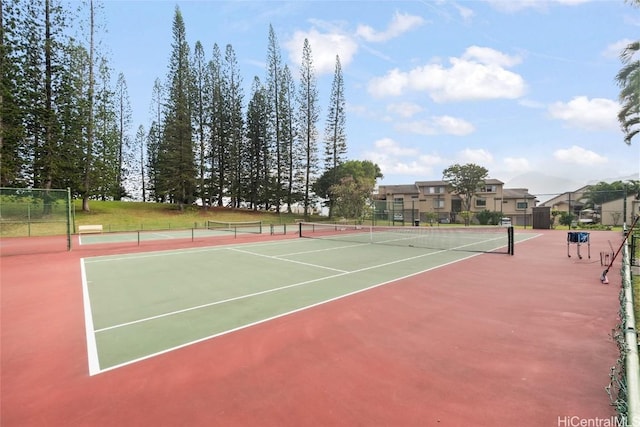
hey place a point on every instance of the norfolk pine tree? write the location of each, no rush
(124, 154)
(12, 159)
(233, 98)
(291, 151)
(88, 166)
(274, 84)
(200, 122)
(335, 132)
(176, 150)
(308, 118)
(219, 150)
(256, 131)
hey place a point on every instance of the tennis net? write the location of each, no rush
(237, 226)
(493, 239)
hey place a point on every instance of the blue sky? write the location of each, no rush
(521, 87)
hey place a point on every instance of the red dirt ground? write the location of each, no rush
(491, 341)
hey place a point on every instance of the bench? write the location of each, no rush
(83, 229)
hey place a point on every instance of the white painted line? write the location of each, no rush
(92, 348)
(106, 258)
(266, 291)
(94, 366)
(149, 356)
(277, 258)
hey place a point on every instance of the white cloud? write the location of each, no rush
(479, 156)
(391, 147)
(400, 24)
(590, 114)
(453, 125)
(580, 156)
(404, 109)
(396, 160)
(488, 56)
(437, 125)
(517, 164)
(517, 5)
(324, 48)
(530, 103)
(393, 84)
(465, 13)
(615, 49)
(478, 74)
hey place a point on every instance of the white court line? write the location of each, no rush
(307, 307)
(92, 348)
(94, 367)
(267, 291)
(106, 258)
(277, 258)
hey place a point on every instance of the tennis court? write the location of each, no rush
(141, 305)
(480, 340)
(211, 229)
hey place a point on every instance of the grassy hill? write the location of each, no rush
(121, 216)
(131, 216)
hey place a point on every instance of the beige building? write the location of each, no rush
(571, 201)
(609, 213)
(613, 211)
(426, 200)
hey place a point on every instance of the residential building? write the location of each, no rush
(426, 200)
(570, 201)
(612, 212)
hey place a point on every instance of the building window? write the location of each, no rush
(489, 189)
(438, 203)
(434, 190)
(522, 205)
(481, 203)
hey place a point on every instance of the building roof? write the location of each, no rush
(398, 189)
(438, 183)
(517, 193)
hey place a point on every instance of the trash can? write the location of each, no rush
(416, 223)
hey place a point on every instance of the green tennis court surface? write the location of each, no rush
(141, 305)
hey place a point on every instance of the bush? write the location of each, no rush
(487, 217)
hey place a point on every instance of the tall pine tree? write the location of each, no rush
(124, 156)
(200, 118)
(177, 163)
(307, 121)
(335, 136)
(233, 98)
(257, 124)
(274, 87)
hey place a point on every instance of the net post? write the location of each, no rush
(511, 243)
(68, 218)
(300, 229)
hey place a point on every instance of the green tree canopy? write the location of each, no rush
(351, 182)
(628, 79)
(464, 181)
(603, 192)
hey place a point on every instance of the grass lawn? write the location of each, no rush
(131, 216)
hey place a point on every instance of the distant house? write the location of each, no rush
(432, 199)
(609, 213)
(612, 212)
(571, 201)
